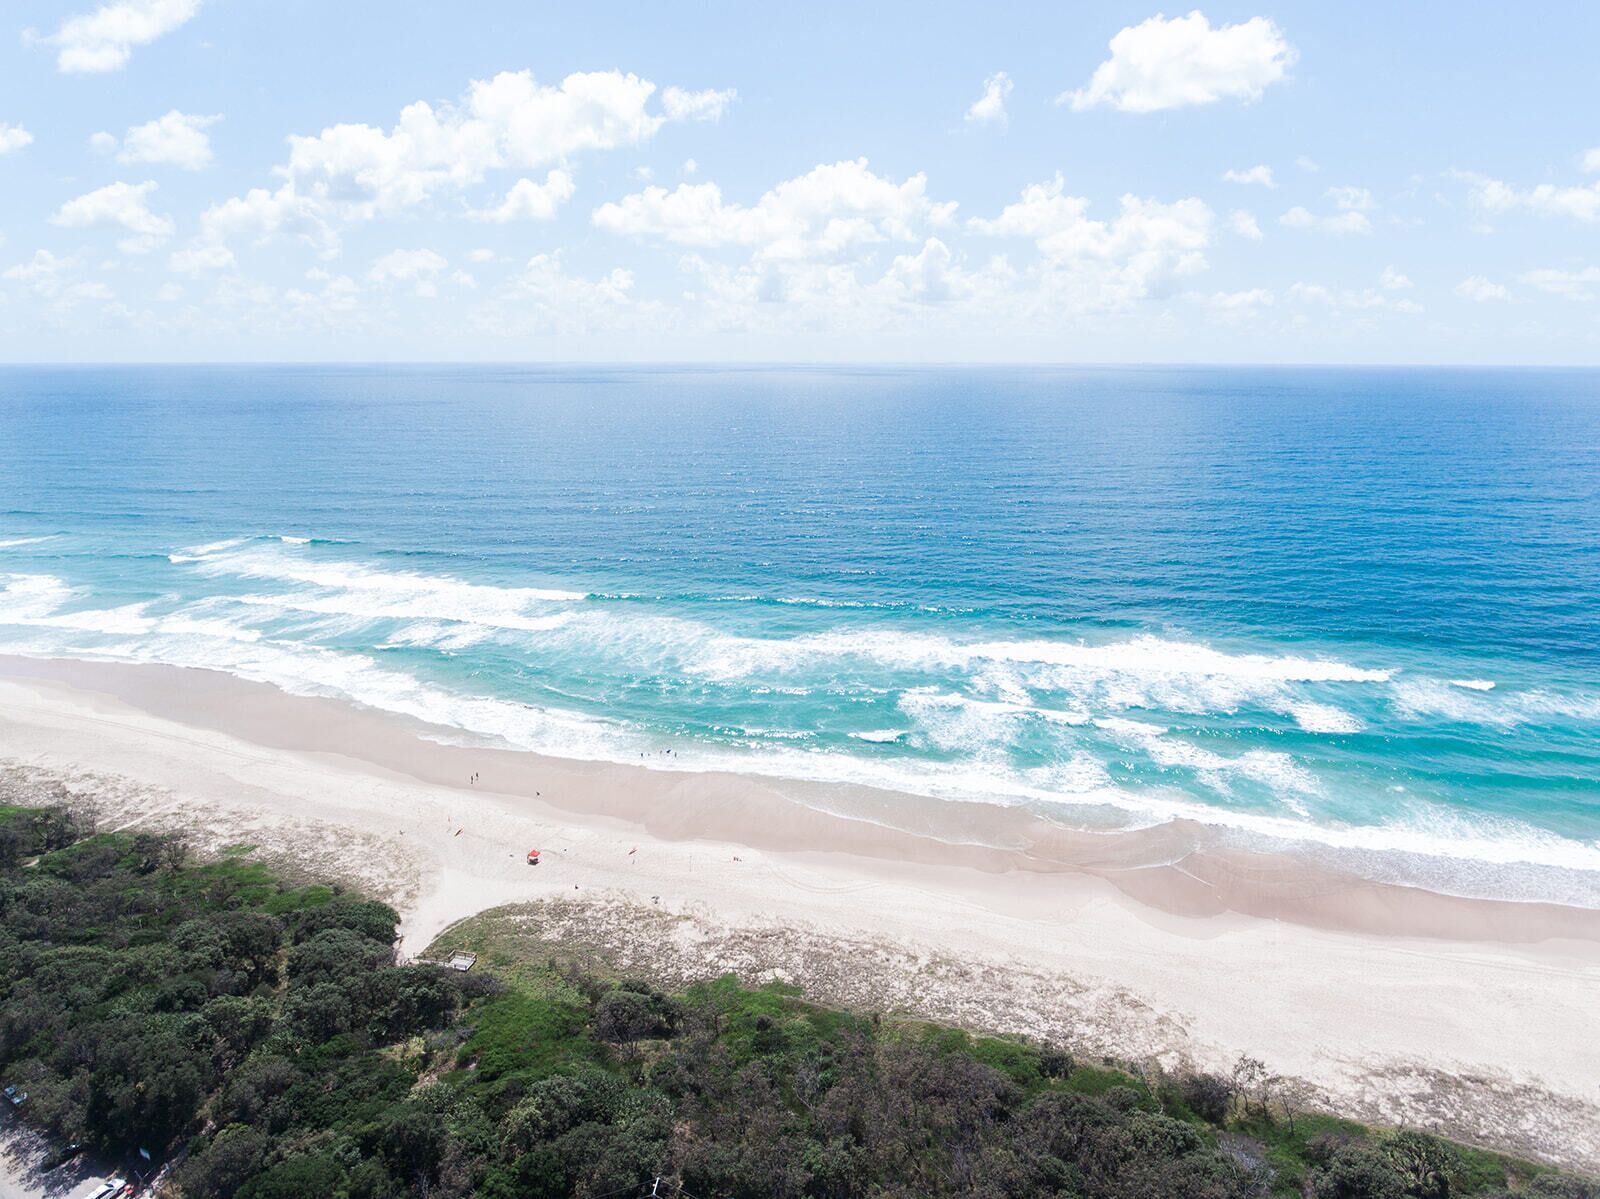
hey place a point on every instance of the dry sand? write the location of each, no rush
(1386, 1003)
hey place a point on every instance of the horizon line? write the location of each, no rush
(787, 364)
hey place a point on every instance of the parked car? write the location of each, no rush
(110, 1188)
(60, 1157)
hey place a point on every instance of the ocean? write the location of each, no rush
(1351, 611)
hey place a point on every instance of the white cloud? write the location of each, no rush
(1099, 264)
(544, 278)
(689, 167)
(13, 137)
(542, 298)
(1481, 290)
(200, 258)
(507, 121)
(1244, 224)
(1237, 301)
(104, 39)
(827, 210)
(42, 270)
(530, 201)
(1350, 300)
(481, 254)
(332, 302)
(1547, 199)
(356, 172)
(1591, 161)
(1571, 285)
(990, 108)
(926, 289)
(51, 278)
(1393, 280)
(176, 139)
(123, 205)
(417, 267)
(680, 105)
(931, 277)
(1307, 164)
(1261, 174)
(1344, 222)
(926, 277)
(261, 215)
(1164, 63)
(1352, 199)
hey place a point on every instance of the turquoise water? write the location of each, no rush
(1357, 610)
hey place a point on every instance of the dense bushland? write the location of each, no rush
(263, 1034)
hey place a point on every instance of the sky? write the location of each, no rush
(236, 180)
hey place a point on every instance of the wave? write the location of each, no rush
(1145, 655)
(370, 593)
(13, 542)
(199, 553)
(1449, 701)
(968, 703)
(37, 601)
(1324, 718)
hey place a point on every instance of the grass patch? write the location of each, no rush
(527, 1034)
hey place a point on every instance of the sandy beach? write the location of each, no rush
(1385, 1003)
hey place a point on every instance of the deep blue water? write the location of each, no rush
(1356, 608)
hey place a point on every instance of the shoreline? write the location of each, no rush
(1388, 1003)
(1167, 867)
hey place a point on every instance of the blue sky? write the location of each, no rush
(1410, 183)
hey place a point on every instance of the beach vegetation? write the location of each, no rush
(266, 1034)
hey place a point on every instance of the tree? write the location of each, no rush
(373, 920)
(1209, 1096)
(298, 1178)
(253, 941)
(625, 1016)
(412, 1143)
(1359, 1172)
(1250, 1079)
(1425, 1163)
(232, 1157)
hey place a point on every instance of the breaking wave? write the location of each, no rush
(1105, 731)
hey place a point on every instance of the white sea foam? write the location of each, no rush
(302, 669)
(16, 541)
(1504, 709)
(1144, 655)
(1550, 703)
(1143, 672)
(977, 716)
(1324, 718)
(1279, 772)
(36, 601)
(277, 561)
(25, 596)
(1435, 698)
(182, 624)
(199, 553)
(1132, 728)
(1473, 684)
